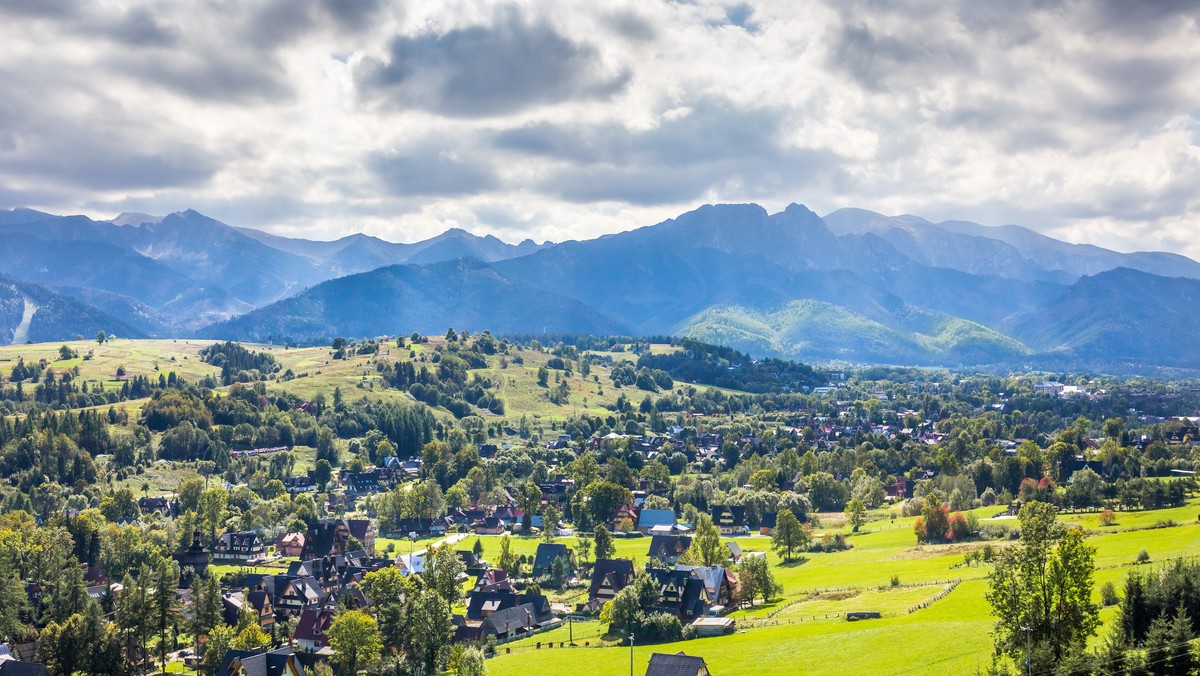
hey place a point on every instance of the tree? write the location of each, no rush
(1041, 592)
(442, 569)
(165, 614)
(583, 548)
(101, 336)
(755, 579)
(322, 473)
(549, 522)
(13, 602)
(431, 629)
(389, 591)
(707, 542)
(217, 645)
(789, 535)
(603, 544)
(857, 513)
(604, 497)
(466, 661)
(477, 548)
(354, 638)
(508, 560)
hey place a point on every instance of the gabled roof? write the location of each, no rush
(618, 571)
(257, 663)
(662, 664)
(314, 624)
(515, 619)
(547, 552)
(16, 668)
(481, 603)
(669, 546)
(649, 518)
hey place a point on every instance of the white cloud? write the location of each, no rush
(567, 119)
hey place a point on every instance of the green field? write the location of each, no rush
(804, 633)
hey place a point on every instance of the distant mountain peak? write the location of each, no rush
(134, 219)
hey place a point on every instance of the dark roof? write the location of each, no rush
(669, 546)
(515, 619)
(17, 668)
(768, 519)
(489, 601)
(546, 553)
(257, 663)
(729, 516)
(662, 664)
(312, 618)
(621, 571)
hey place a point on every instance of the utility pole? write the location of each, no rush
(630, 654)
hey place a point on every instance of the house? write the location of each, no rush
(410, 564)
(668, 548)
(290, 544)
(609, 576)
(278, 662)
(652, 518)
(679, 664)
(509, 623)
(767, 525)
(336, 536)
(408, 528)
(490, 525)
(312, 630)
(620, 515)
(720, 583)
(681, 593)
(13, 667)
(257, 601)
(159, 505)
(493, 579)
(238, 547)
(299, 484)
(481, 604)
(474, 565)
(547, 552)
(297, 594)
(730, 519)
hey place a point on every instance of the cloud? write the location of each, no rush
(484, 71)
(570, 119)
(428, 171)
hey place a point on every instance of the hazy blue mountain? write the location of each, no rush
(400, 299)
(31, 312)
(1118, 315)
(1004, 251)
(854, 286)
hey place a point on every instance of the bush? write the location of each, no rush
(895, 580)
(1108, 517)
(1143, 556)
(1108, 594)
(660, 627)
(912, 507)
(988, 498)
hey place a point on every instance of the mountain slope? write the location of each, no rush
(56, 317)
(400, 299)
(1120, 314)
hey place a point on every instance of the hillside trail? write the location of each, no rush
(21, 333)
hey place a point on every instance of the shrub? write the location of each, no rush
(895, 580)
(1143, 556)
(661, 627)
(988, 498)
(1108, 594)
(1108, 517)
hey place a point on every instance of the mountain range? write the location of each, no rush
(851, 286)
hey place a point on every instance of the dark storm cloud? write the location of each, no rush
(227, 75)
(484, 71)
(427, 171)
(716, 144)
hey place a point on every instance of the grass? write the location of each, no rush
(803, 633)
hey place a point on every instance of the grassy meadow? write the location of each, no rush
(804, 632)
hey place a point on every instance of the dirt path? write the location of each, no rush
(21, 333)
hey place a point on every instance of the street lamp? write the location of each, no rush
(1028, 645)
(631, 654)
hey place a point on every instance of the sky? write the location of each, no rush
(562, 120)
